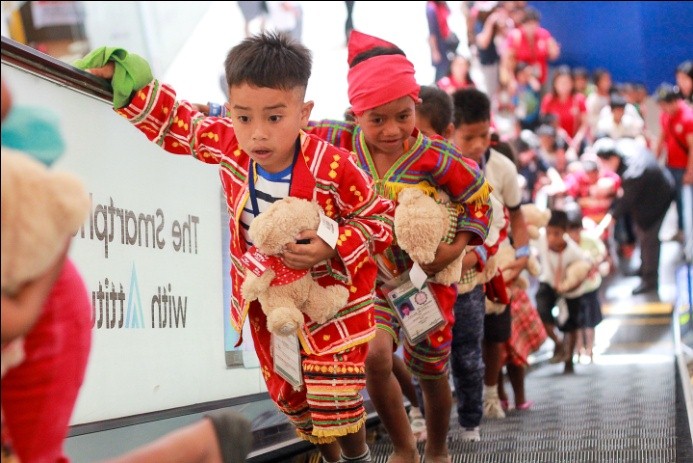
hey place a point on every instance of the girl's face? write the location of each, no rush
(684, 82)
(604, 83)
(563, 84)
(459, 68)
(387, 128)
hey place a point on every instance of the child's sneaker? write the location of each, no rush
(470, 434)
(417, 423)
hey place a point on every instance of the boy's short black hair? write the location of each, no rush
(470, 106)
(559, 219)
(546, 130)
(589, 165)
(667, 93)
(436, 106)
(606, 148)
(531, 14)
(581, 72)
(376, 51)
(503, 147)
(617, 100)
(269, 60)
(519, 67)
(598, 73)
(574, 214)
(549, 119)
(686, 68)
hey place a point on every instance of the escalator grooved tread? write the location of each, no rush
(621, 413)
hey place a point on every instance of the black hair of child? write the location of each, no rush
(574, 214)
(436, 106)
(559, 219)
(375, 51)
(470, 106)
(269, 60)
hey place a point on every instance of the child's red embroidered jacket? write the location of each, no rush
(322, 172)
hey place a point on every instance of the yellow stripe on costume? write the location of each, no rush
(481, 196)
(391, 190)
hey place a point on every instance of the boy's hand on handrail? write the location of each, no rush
(105, 72)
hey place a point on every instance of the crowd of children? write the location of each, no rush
(438, 139)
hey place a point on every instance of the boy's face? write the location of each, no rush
(423, 123)
(618, 113)
(669, 107)
(574, 233)
(267, 122)
(473, 139)
(386, 128)
(554, 238)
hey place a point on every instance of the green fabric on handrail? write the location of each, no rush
(132, 72)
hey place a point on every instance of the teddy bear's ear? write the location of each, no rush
(408, 195)
(258, 230)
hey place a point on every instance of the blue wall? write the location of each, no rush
(635, 41)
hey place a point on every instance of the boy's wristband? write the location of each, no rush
(522, 251)
(481, 254)
(216, 109)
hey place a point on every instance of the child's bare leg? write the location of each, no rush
(516, 374)
(589, 343)
(399, 369)
(386, 396)
(502, 395)
(580, 343)
(570, 339)
(438, 405)
(354, 445)
(330, 452)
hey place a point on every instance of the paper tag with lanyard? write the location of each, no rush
(286, 356)
(417, 309)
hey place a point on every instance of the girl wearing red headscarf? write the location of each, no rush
(383, 93)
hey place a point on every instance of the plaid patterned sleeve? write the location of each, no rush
(467, 187)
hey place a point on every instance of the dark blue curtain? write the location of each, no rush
(636, 41)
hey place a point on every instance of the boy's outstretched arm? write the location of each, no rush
(153, 107)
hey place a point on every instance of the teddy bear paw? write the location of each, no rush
(288, 328)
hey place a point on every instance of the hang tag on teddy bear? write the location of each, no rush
(417, 276)
(255, 261)
(328, 230)
(286, 355)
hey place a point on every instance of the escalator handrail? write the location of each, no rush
(35, 62)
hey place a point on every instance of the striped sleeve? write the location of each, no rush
(177, 126)
(468, 188)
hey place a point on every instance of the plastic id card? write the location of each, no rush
(417, 310)
(286, 356)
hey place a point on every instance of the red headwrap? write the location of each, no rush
(380, 79)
